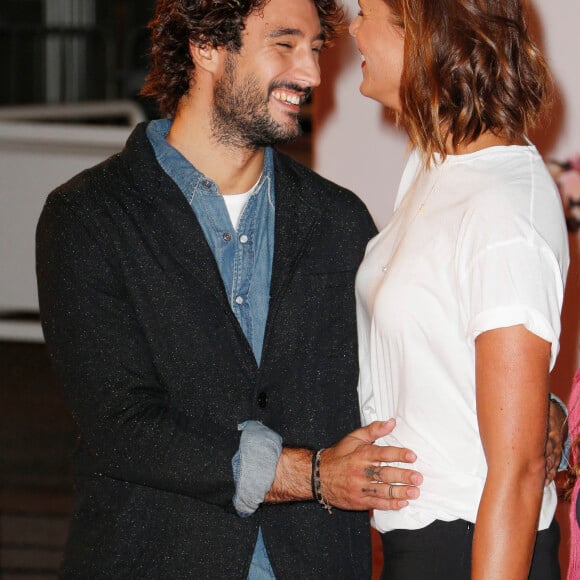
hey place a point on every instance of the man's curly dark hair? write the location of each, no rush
(215, 23)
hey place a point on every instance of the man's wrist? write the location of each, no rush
(293, 476)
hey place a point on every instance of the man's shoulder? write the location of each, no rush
(89, 187)
(315, 186)
(286, 163)
(94, 186)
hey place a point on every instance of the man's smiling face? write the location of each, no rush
(258, 97)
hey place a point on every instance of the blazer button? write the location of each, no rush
(263, 400)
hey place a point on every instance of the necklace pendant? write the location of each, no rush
(421, 208)
(385, 268)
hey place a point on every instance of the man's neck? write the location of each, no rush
(233, 169)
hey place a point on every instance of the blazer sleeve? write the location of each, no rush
(130, 430)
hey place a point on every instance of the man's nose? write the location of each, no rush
(308, 69)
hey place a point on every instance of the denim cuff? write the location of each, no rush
(254, 465)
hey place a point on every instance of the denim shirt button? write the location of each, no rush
(263, 400)
(244, 239)
(206, 183)
(227, 236)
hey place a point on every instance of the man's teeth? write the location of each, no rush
(292, 99)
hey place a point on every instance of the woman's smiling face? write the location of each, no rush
(380, 41)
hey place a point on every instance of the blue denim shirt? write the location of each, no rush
(244, 259)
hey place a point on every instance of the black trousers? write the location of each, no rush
(442, 551)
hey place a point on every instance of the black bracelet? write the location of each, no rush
(312, 482)
(316, 483)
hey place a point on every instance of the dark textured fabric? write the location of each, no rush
(442, 551)
(158, 372)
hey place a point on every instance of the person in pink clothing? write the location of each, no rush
(572, 485)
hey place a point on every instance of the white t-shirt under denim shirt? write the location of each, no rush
(476, 242)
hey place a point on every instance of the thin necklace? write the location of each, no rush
(408, 201)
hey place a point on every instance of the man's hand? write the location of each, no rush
(353, 478)
(557, 434)
(351, 474)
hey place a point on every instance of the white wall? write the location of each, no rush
(34, 159)
(354, 143)
(556, 24)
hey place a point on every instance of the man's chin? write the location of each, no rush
(289, 136)
(290, 130)
(281, 136)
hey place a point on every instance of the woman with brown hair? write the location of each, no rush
(459, 297)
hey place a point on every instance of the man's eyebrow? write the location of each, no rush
(278, 32)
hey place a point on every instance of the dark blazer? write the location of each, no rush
(159, 374)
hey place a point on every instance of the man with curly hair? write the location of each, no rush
(197, 298)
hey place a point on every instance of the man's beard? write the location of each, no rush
(240, 116)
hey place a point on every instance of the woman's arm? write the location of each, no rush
(512, 405)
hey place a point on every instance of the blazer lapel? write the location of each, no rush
(171, 223)
(296, 220)
(187, 243)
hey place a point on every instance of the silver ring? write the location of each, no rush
(390, 491)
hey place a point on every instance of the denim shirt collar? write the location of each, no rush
(189, 180)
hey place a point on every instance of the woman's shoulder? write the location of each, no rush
(505, 180)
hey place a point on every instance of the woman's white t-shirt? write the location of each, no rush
(476, 242)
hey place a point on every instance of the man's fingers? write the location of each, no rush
(551, 473)
(374, 431)
(552, 462)
(390, 491)
(388, 474)
(390, 454)
(387, 504)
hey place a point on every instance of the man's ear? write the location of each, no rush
(204, 56)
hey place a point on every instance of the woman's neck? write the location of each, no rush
(487, 139)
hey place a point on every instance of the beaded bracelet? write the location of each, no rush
(316, 483)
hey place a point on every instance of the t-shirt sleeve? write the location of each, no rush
(514, 282)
